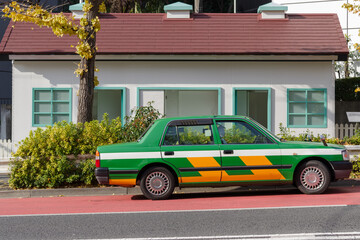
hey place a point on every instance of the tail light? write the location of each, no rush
(346, 156)
(97, 159)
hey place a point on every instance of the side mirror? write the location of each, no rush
(322, 138)
(309, 138)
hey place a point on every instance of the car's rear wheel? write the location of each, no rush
(157, 183)
(312, 177)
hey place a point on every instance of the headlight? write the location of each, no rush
(345, 154)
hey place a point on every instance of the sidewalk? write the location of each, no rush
(6, 192)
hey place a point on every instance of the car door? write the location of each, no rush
(247, 153)
(189, 146)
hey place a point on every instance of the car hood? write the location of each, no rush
(299, 144)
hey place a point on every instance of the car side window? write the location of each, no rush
(189, 135)
(239, 132)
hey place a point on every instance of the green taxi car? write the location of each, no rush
(218, 151)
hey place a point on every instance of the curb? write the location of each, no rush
(61, 192)
(105, 191)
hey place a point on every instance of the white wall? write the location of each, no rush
(191, 103)
(154, 96)
(277, 75)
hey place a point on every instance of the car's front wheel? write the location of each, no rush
(312, 177)
(157, 183)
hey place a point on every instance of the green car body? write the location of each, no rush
(218, 151)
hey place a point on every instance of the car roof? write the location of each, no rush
(202, 117)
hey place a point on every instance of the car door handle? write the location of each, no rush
(169, 153)
(228, 151)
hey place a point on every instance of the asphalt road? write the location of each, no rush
(323, 219)
(232, 215)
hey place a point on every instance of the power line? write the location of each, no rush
(353, 28)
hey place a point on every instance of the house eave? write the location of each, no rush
(183, 57)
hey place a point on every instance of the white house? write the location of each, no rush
(272, 66)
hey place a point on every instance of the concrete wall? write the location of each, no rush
(279, 76)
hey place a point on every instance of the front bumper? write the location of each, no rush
(102, 175)
(342, 169)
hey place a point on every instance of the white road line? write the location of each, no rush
(174, 211)
(296, 236)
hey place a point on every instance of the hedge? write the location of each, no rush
(49, 157)
(345, 89)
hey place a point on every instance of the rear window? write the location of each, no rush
(189, 135)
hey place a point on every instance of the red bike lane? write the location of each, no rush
(179, 202)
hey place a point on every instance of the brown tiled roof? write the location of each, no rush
(237, 34)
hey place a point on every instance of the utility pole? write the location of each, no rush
(198, 6)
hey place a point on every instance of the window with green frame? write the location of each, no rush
(51, 105)
(307, 108)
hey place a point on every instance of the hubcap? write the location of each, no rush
(157, 183)
(312, 178)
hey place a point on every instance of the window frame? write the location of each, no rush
(178, 135)
(218, 89)
(269, 103)
(123, 99)
(51, 101)
(306, 114)
(189, 122)
(260, 131)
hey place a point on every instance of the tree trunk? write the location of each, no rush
(86, 91)
(347, 70)
(86, 86)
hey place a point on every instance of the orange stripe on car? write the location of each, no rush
(258, 174)
(123, 182)
(206, 176)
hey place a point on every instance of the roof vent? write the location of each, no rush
(272, 11)
(76, 10)
(178, 10)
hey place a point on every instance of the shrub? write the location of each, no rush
(288, 135)
(137, 124)
(356, 168)
(47, 157)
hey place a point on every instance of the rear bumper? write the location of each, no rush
(342, 169)
(102, 175)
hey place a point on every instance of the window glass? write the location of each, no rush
(61, 95)
(297, 120)
(43, 119)
(238, 132)
(298, 96)
(44, 95)
(307, 108)
(189, 135)
(60, 117)
(297, 107)
(108, 101)
(61, 107)
(42, 107)
(51, 105)
(316, 96)
(254, 103)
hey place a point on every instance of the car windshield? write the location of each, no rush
(266, 130)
